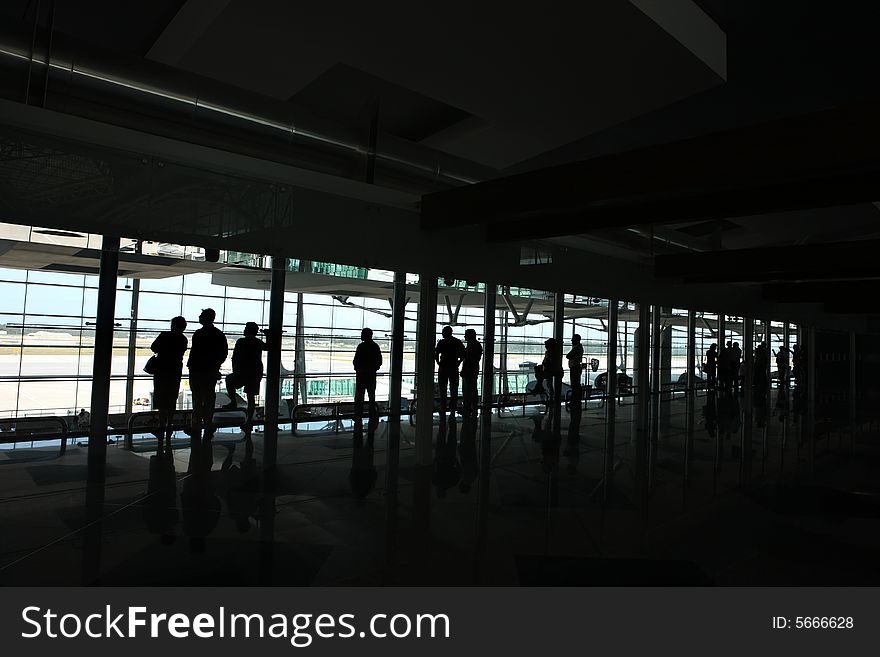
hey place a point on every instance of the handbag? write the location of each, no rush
(152, 365)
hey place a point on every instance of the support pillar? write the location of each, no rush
(559, 336)
(748, 398)
(300, 384)
(273, 363)
(398, 306)
(655, 372)
(611, 400)
(811, 394)
(427, 339)
(488, 358)
(853, 409)
(132, 340)
(101, 365)
(392, 461)
(692, 358)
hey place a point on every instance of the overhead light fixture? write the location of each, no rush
(57, 233)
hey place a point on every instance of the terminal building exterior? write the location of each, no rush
(180, 157)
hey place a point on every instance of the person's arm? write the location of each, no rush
(437, 353)
(462, 352)
(378, 358)
(157, 344)
(358, 357)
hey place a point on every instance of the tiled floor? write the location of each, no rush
(752, 494)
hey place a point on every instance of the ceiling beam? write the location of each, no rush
(809, 262)
(820, 159)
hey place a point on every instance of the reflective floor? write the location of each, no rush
(720, 490)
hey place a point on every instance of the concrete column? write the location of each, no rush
(273, 363)
(132, 340)
(101, 365)
(722, 331)
(392, 460)
(748, 397)
(427, 340)
(559, 336)
(853, 408)
(811, 395)
(398, 317)
(655, 372)
(611, 403)
(767, 340)
(488, 357)
(749, 355)
(692, 358)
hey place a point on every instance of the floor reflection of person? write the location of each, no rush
(572, 446)
(363, 474)
(160, 503)
(467, 453)
(241, 484)
(710, 413)
(199, 503)
(447, 471)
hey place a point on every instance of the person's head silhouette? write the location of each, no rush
(366, 334)
(576, 339)
(207, 317)
(470, 335)
(447, 332)
(550, 344)
(178, 324)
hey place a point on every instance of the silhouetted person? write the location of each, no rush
(711, 366)
(448, 354)
(367, 361)
(724, 365)
(550, 371)
(83, 419)
(762, 362)
(575, 358)
(169, 347)
(782, 365)
(735, 357)
(247, 370)
(207, 353)
(797, 365)
(470, 371)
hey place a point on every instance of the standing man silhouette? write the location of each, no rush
(449, 354)
(575, 359)
(470, 370)
(367, 361)
(208, 351)
(247, 369)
